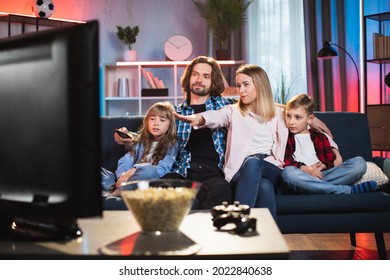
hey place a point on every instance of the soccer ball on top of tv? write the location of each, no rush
(43, 8)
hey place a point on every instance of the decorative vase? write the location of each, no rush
(43, 8)
(130, 55)
(123, 87)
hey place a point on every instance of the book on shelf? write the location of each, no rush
(161, 84)
(149, 79)
(153, 81)
(380, 46)
(387, 47)
(156, 81)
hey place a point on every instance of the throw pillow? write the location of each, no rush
(373, 173)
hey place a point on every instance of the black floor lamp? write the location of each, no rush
(327, 52)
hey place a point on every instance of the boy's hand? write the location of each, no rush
(314, 170)
(339, 158)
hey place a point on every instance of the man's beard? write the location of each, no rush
(199, 91)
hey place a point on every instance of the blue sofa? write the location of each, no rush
(369, 213)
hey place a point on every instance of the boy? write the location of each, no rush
(309, 159)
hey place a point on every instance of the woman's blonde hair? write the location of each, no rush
(160, 109)
(264, 104)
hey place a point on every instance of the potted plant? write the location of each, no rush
(223, 17)
(283, 92)
(284, 89)
(128, 36)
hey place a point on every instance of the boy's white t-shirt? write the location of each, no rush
(304, 149)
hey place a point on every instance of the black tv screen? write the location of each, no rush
(49, 130)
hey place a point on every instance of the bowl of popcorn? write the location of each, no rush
(160, 205)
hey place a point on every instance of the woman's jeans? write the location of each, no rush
(255, 183)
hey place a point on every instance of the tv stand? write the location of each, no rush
(33, 230)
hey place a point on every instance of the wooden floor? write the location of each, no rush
(334, 246)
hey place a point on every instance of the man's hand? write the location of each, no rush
(314, 170)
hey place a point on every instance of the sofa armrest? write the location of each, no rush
(110, 150)
(384, 164)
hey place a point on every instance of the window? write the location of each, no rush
(276, 42)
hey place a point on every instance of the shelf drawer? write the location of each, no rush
(379, 124)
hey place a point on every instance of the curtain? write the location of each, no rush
(334, 83)
(284, 37)
(276, 42)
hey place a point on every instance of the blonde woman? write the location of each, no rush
(256, 140)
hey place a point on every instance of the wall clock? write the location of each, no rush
(178, 47)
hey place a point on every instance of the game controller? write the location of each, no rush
(235, 213)
(236, 207)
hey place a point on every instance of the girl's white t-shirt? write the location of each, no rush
(148, 156)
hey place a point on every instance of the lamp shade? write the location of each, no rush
(327, 52)
(387, 79)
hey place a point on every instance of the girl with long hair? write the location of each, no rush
(154, 149)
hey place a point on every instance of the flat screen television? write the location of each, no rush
(49, 132)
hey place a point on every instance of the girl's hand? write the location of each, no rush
(122, 180)
(118, 138)
(127, 142)
(194, 120)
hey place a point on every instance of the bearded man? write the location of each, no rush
(201, 152)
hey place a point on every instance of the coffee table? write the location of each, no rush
(117, 234)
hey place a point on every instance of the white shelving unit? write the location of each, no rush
(169, 72)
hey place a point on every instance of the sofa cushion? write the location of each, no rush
(332, 203)
(373, 173)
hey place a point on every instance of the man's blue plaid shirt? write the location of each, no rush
(183, 157)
